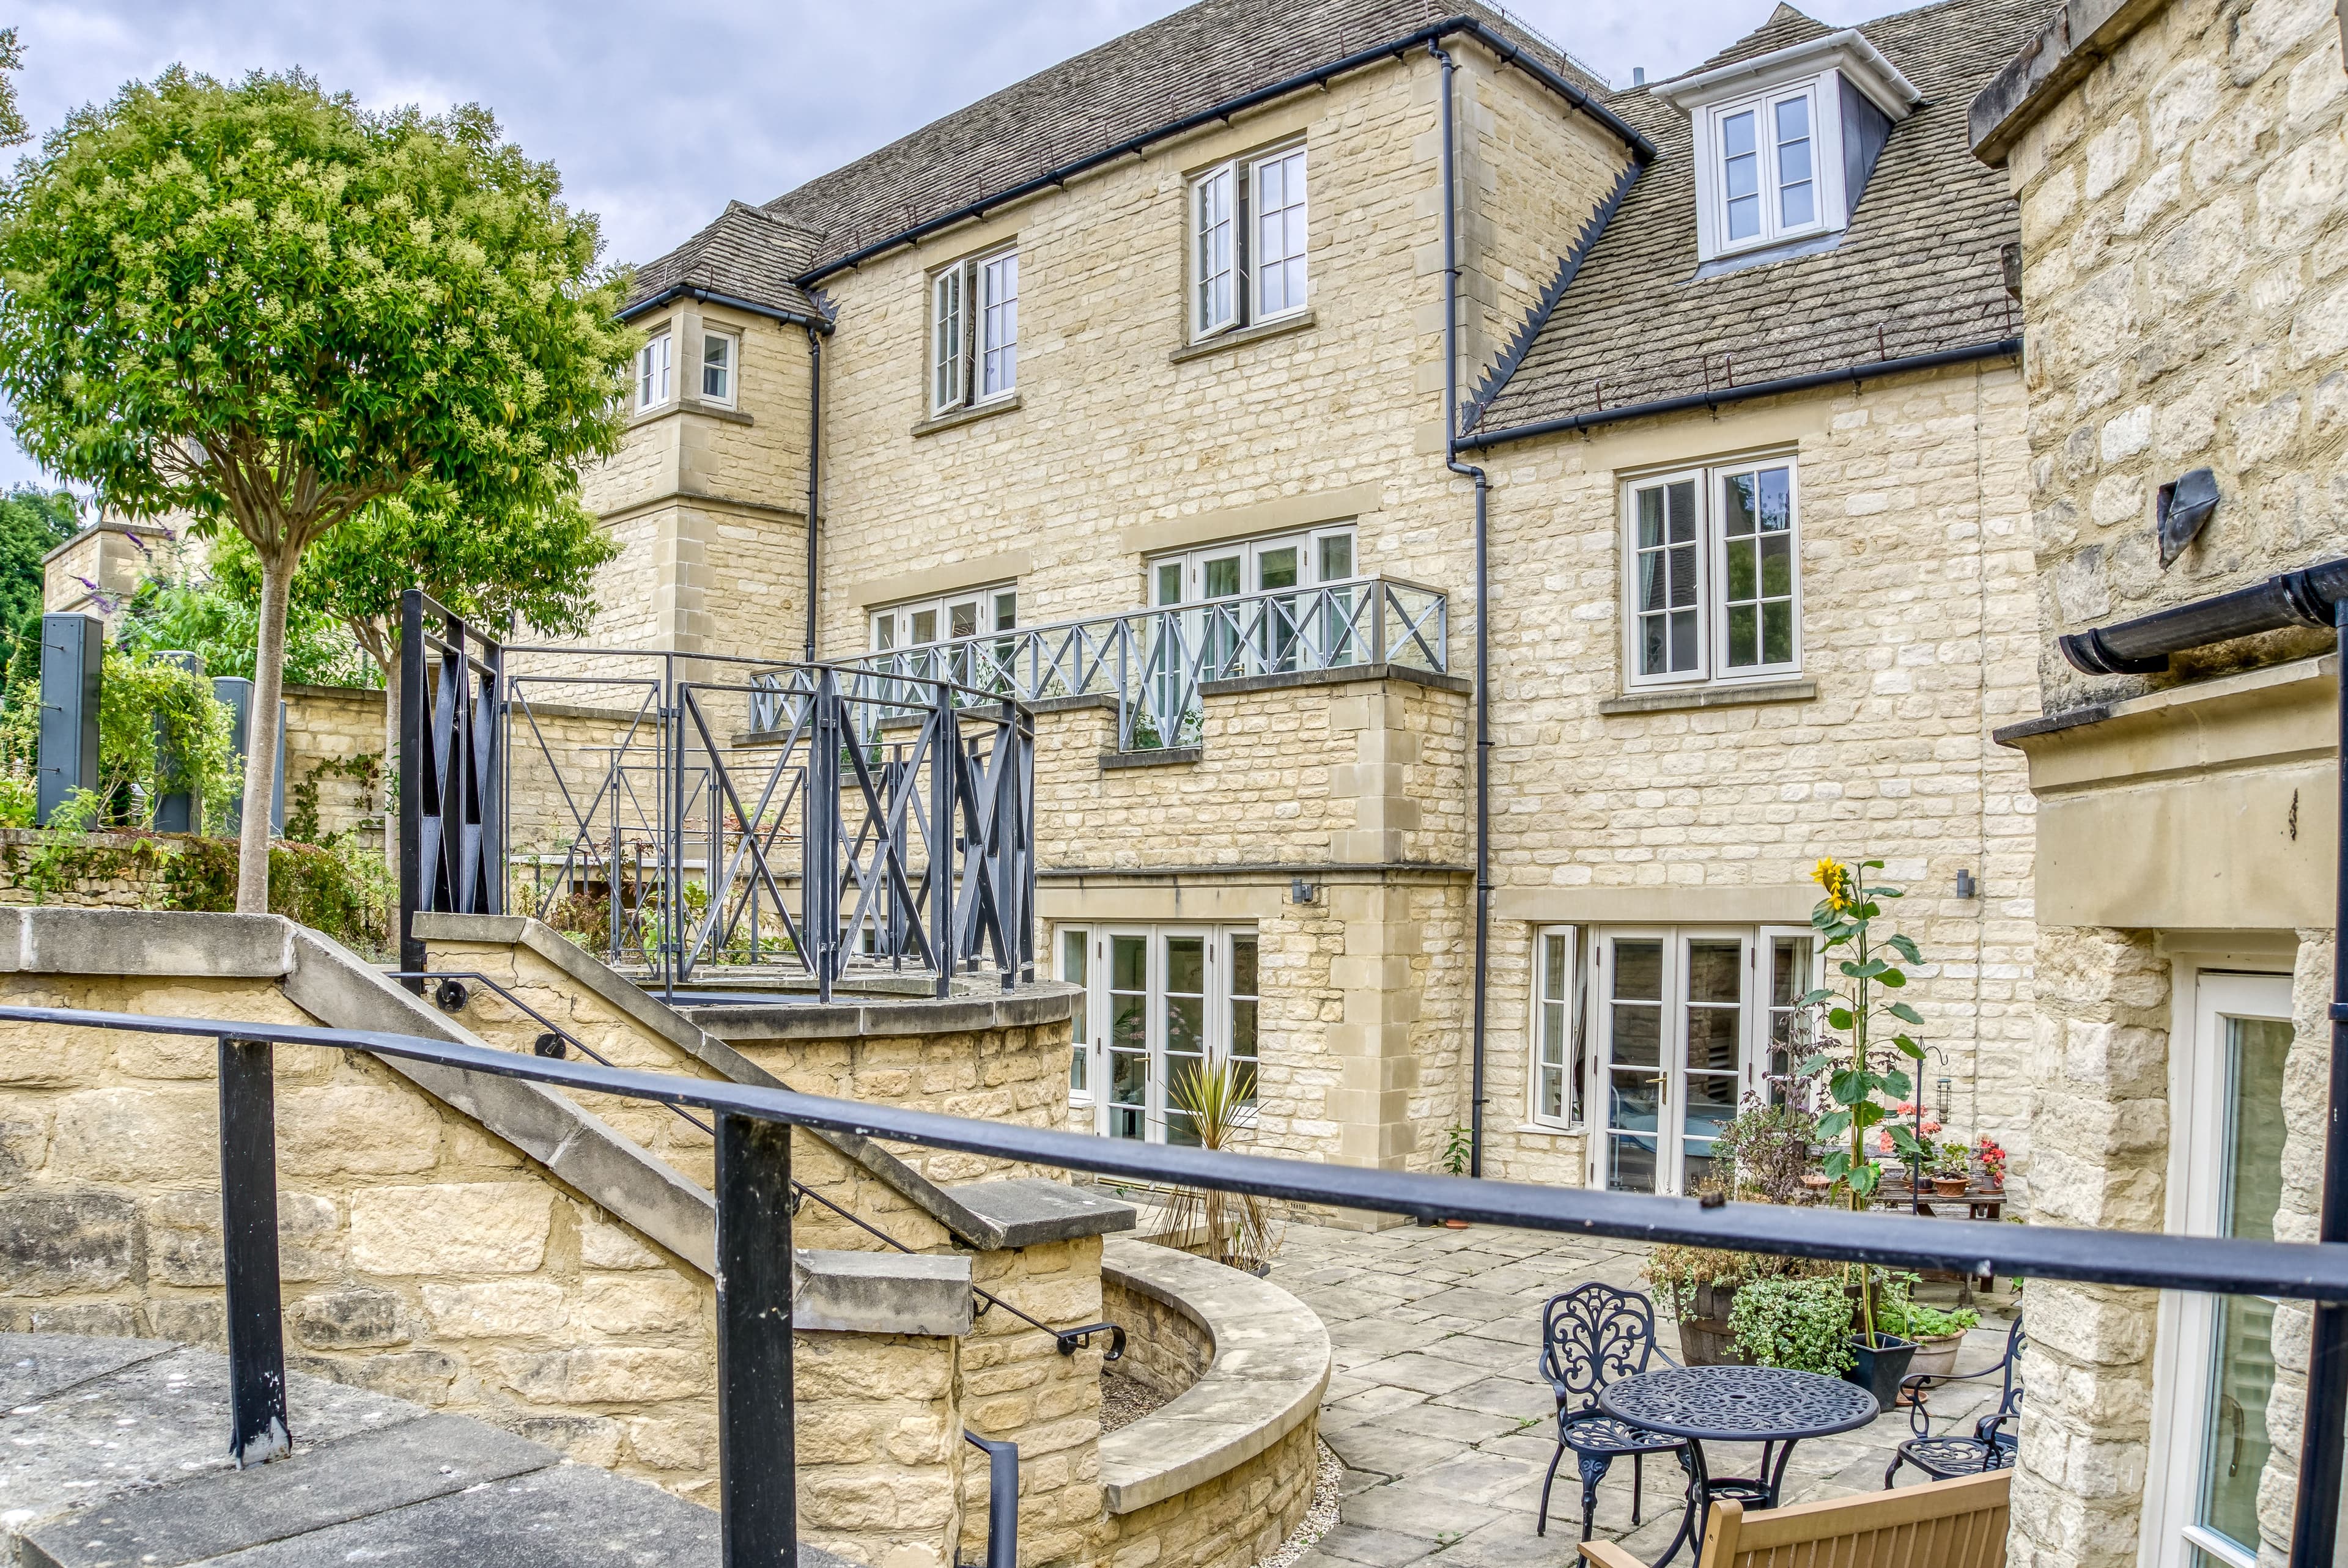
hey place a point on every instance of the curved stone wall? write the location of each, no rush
(1221, 1474)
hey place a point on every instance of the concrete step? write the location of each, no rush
(113, 1455)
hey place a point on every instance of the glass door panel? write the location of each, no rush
(1074, 946)
(1279, 567)
(1243, 1044)
(1331, 623)
(1186, 1030)
(1789, 980)
(2234, 1445)
(1635, 1070)
(1714, 1060)
(1128, 1037)
(1220, 576)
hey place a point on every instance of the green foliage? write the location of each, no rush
(33, 522)
(1804, 1323)
(1864, 1074)
(1234, 1228)
(1766, 1151)
(364, 769)
(1675, 1272)
(1912, 1321)
(13, 128)
(337, 887)
(1952, 1159)
(257, 303)
(218, 620)
(1457, 1146)
(161, 731)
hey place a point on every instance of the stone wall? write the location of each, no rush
(1165, 1350)
(336, 746)
(2184, 236)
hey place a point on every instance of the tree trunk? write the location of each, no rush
(260, 735)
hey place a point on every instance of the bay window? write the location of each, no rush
(1711, 587)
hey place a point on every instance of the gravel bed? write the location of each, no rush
(1124, 1400)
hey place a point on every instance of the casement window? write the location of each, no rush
(1160, 1001)
(1558, 1067)
(1248, 241)
(1686, 1023)
(1768, 174)
(1713, 580)
(719, 350)
(971, 612)
(2214, 1380)
(1290, 624)
(652, 373)
(974, 332)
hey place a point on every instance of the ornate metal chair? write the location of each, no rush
(1592, 1336)
(1991, 1446)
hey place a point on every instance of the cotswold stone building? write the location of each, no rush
(2181, 169)
(1132, 390)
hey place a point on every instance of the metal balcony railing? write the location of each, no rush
(756, 1415)
(1153, 663)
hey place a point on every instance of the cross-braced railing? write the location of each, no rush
(1153, 663)
(682, 812)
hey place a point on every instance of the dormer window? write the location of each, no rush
(1784, 143)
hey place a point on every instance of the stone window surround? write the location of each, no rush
(972, 415)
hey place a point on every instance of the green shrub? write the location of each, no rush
(336, 888)
(1804, 1323)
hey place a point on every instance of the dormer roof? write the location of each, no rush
(1847, 49)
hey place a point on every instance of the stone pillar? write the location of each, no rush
(2306, 1094)
(2097, 1157)
(1017, 1388)
(1378, 1069)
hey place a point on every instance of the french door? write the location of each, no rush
(1162, 1003)
(1688, 1021)
(2220, 1363)
(1232, 641)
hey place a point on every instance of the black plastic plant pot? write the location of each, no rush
(1880, 1366)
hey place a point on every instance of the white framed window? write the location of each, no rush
(719, 350)
(974, 332)
(1160, 1001)
(1766, 185)
(1247, 240)
(1558, 1067)
(1076, 947)
(2215, 1358)
(969, 613)
(652, 372)
(1712, 584)
(1685, 1022)
(1292, 624)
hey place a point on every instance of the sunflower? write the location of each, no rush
(1835, 877)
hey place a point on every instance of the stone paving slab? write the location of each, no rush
(1447, 1430)
(38, 1366)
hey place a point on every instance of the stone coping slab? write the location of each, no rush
(1270, 1366)
(880, 1292)
(68, 941)
(1028, 1211)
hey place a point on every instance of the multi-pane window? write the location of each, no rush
(652, 373)
(974, 332)
(717, 353)
(1277, 631)
(1162, 1003)
(1074, 949)
(1713, 584)
(1767, 173)
(971, 613)
(1557, 1030)
(1248, 239)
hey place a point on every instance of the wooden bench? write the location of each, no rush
(1947, 1524)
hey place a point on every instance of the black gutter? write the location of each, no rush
(1856, 375)
(1483, 893)
(733, 301)
(2312, 596)
(2309, 597)
(1319, 76)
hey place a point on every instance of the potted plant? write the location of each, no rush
(1804, 1323)
(1938, 1336)
(1233, 1228)
(1866, 1075)
(1699, 1287)
(1993, 1159)
(1953, 1169)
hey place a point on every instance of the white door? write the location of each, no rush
(2218, 1365)
(1171, 1000)
(1675, 1017)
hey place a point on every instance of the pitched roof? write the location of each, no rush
(1918, 272)
(748, 253)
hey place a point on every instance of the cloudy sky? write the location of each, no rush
(656, 115)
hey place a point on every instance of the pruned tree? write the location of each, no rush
(259, 304)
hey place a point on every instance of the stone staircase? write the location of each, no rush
(113, 1455)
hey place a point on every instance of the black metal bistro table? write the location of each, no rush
(1773, 1406)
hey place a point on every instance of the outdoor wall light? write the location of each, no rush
(1965, 885)
(1300, 891)
(1941, 1100)
(2184, 504)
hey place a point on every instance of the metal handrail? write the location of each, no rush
(756, 1414)
(1153, 661)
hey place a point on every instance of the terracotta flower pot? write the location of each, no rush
(1936, 1354)
(1950, 1186)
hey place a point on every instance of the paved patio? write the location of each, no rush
(1437, 1409)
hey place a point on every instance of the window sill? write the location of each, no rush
(1711, 697)
(1242, 337)
(1159, 757)
(690, 405)
(1538, 1129)
(931, 426)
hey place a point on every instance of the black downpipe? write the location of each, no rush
(1483, 619)
(2316, 1513)
(815, 471)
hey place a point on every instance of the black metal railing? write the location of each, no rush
(756, 1418)
(681, 812)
